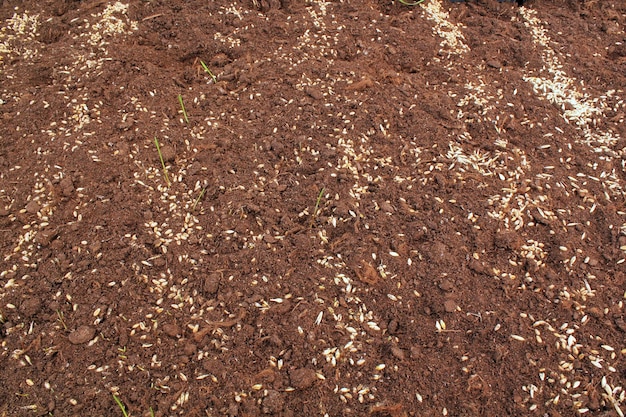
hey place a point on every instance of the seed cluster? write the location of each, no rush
(362, 273)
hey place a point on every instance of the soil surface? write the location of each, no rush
(307, 208)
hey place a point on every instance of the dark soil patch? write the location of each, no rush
(373, 209)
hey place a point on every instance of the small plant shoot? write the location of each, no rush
(158, 146)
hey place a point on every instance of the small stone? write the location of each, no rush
(449, 306)
(302, 378)
(273, 403)
(211, 284)
(594, 400)
(446, 285)
(44, 237)
(595, 312)
(398, 353)
(392, 327)
(190, 349)
(387, 207)
(214, 367)
(621, 324)
(32, 207)
(95, 247)
(168, 152)
(67, 187)
(314, 93)
(476, 266)
(82, 335)
(416, 352)
(30, 307)
(507, 239)
(171, 330)
(219, 60)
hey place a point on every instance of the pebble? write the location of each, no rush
(416, 352)
(273, 403)
(387, 207)
(446, 285)
(269, 238)
(476, 266)
(494, 64)
(45, 237)
(171, 330)
(595, 312)
(508, 240)
(398, 352)
(30, 307)
(82, 335)
(67, 187)
(302, 378)
(190, 349)
(168, 152)
(314, 93)
(449, 306)
(32, 207)
(211, 283)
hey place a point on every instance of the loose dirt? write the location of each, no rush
(365, 208)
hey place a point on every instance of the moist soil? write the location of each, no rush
(306, 208)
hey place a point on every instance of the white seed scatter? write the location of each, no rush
(332, 316)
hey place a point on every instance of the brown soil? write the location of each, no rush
(373, 208)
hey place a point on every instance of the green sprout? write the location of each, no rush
(167, 178)
(195, 203)
(317, 204)
(208, 71)
(120, 405)
(411, 3)
(182, 106)
(61, 319)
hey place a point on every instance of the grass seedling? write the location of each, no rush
(208, 71)
(317, 205)
(61, 319)
(195, 203)
(167, 178)
(411, 3)
(182, 106)
(120, 405)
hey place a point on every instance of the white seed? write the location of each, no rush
(318, 320)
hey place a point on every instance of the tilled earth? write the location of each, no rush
(307, 208)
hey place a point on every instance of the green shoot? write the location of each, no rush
(317, 205)
(61, 319)
(195, 203)
(411, 3)
(208, 71)
(167, 178)
(182, 106)
(120, 405)
(151, 412)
